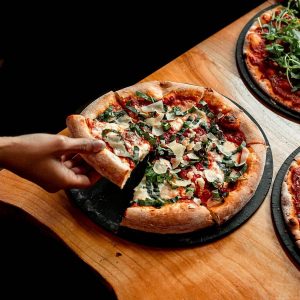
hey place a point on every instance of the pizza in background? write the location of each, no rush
(205, 156)
(290, 199)
(272, 54)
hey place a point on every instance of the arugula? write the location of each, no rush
(283, 42)
(146, 135)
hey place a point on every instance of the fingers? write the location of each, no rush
(80, 145)
(82, 180)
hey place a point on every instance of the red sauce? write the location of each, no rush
(168, 135)
(235, 136)
(199, 167)
(270, 70)
(176, 100)
(183, 173)
(205, 195)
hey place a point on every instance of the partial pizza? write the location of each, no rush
(290, 199)
(205, 157)
(272, 54)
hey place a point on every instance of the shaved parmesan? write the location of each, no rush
(157, 130)
(214, 175)
(197, 146)
(201, 182)
(161, 166)
(192, 156)
(175, 162)
(212, 137)
(177, 149)
(176, 124)
(227, 148)
(244, 155)
(154, 121)
(116, 142)
(170, 116)
(197, 201)
(167, 192)
(179, 182)
(154, 107)
(123, 121)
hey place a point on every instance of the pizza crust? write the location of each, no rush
(287, 204)
(97, 107)
(104, 162)
(176, 218)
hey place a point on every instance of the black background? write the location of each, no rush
(54, 60)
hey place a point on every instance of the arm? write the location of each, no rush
(49, 160)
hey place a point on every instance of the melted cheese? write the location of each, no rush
(161, 166)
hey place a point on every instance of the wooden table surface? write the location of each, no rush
(249, 263)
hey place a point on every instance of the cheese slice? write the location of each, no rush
(178, 149)
(154, 107)
(161, 166)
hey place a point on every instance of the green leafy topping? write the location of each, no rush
(283, 42)
(109, 115)
(155, 202)
(136, 152)
(145, 96)
(166, 126)
(106, 131)
(146, 135)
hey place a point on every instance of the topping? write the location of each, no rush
(177, 149)
(161, 166)
(154, 107)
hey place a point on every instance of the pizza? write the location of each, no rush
(290, 198)
(272, 55)
(205, 157)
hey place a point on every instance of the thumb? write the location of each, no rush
(83, 145)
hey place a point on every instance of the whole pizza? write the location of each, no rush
(290, 198)
(205, 157)
(272, 55)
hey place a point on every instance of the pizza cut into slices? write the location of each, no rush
(271, 52)
(290, 199)
(206, 157)
(105, 119)
(208, 161)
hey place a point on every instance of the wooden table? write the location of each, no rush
(249, 263)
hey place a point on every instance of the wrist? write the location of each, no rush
(7, 144)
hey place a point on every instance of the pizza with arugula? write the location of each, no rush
(205, 157)
(272, 54)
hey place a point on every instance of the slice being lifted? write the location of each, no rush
(106, 120)
(206, 156)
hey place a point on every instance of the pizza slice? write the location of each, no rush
(105, 119)
(290, 199)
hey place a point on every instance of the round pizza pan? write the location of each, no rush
(282, 230)
(105, 204)
(248, 79)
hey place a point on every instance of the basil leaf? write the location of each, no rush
(145, 96)
(106, 131)
(106, 115)
(136, 152)
(165, 126)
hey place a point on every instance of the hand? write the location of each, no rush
(50, 160)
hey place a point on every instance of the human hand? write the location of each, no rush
(50, 160)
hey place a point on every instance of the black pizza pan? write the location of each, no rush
(282, 230)
(105, 204)
(253, 86)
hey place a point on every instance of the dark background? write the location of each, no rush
(58, 60)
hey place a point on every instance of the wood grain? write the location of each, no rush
(249, 263)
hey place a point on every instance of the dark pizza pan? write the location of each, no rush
(105, 204)
(282, 230)
(254, 88)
